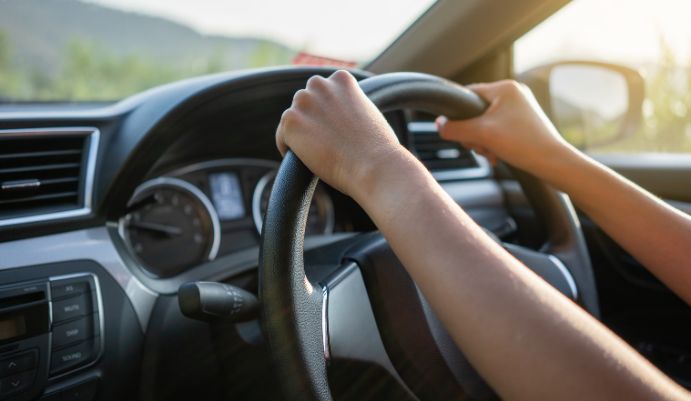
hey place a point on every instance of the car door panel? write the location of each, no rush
(665, 175)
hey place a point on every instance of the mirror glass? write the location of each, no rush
(589, 104)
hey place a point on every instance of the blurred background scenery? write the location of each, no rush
(56, 50)
(653, 37)
(69, 50)
(106, 50)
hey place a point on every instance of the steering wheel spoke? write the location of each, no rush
(351, 329)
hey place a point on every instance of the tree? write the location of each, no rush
(9, 82)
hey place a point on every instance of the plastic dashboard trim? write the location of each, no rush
(93, 135)
(91, 244)
(137, 123)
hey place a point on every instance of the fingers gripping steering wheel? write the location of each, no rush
(300, 332)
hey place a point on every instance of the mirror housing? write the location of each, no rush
(592, 104)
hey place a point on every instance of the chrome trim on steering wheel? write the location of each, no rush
(566, 273)
(325, 323)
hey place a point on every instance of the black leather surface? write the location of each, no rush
(420, 349)
(422, 92)
(291, 306)
(401, 320)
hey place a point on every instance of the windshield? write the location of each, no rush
(73, 50)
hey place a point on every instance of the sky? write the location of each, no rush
(623, 31)
(353, 30)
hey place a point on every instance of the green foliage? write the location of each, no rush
(666, 125)
(9, 79)
(90, 72)
(264, 55)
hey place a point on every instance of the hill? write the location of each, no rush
(47, 39)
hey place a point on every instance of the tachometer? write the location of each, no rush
(171, 226)
(321, 218)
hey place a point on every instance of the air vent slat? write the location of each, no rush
(436, 153)
(42, 173)
(59, 195)
(66, 152)
(46, 167)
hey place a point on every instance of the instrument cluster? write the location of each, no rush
(194, 214)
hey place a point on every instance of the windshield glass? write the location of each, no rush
(72, 50)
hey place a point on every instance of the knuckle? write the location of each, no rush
(316, 82)
(511, 86)
(302, 98)
(289, 117)
(343, 77)
(506, 83)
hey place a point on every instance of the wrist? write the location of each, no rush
(560, 165)
(542, 157)
(377, 180)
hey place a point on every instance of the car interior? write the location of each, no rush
(154, 248)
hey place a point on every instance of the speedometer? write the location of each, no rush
(171, 226)
(320, 220)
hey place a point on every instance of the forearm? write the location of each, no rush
(516, 130)
(514, 327)
(656, 234)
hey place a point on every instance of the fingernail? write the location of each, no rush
(441, 121)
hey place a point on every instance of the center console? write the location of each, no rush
(48, 328)
(68, 331)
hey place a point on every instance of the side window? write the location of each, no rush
(651, 37)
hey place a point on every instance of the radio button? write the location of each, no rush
(72, 357)
(16, 383)
(73, 332)
(18, 363)
(71, 308)
(67, 288)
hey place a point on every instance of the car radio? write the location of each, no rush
(48, 328)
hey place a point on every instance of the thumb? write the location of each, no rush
(492, 90)
(459, 130)
(487, 91)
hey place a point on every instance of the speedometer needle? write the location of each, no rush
(157, 227)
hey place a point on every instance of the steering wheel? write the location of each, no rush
(365, 306)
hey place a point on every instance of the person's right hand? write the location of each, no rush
(513, 128)
(340, 135)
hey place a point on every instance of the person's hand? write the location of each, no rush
(336, 131)
(513, 128)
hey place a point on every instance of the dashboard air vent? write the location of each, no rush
(43, 174)
(435, 153)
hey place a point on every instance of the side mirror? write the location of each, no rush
(592, 104)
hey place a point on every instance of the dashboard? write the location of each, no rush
(199, 212)
(124, 203)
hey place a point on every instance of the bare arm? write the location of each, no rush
(526, 339)
(656, 234)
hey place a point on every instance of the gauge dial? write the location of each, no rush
(321, 217)
(171, 226)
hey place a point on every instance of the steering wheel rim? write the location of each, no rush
(292, 306)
